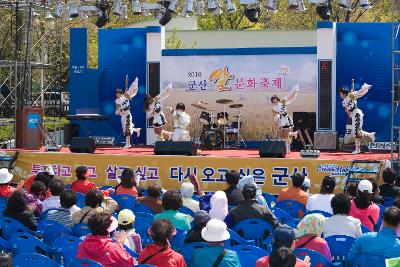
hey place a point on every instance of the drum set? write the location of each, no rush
(218, 128)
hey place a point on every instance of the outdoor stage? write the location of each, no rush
(271, 173)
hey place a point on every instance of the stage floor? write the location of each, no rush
(228, 153)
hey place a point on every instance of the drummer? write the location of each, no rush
(181, 122)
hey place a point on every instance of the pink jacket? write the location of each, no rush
(362, 215)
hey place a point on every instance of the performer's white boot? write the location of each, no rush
(127, 142)
(294, 134)
(137, 131)
(287, 147)
(358, 146)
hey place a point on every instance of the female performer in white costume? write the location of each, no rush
(123, 108)
(153, 108)
(281, 116)
(349, 102)
(181, 122)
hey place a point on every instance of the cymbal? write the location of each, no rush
(224, 101)
(236, 106)
(199, 106)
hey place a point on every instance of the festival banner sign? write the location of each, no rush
(249, 80)
(170, 171)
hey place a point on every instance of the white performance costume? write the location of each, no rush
(181, 122)
(357, 116)
(123, 109)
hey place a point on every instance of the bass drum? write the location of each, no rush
(212, 139)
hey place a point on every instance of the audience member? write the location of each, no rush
(283, 257)
(388, 188)
(218, 206)
(322, 201)
(100, 247)
(153, 200)
(249, 209)
(160, 253)
(18, 209)
(53, 202)
(376, 198)
(6, 260)
(362, 207)
(63, 214)
(94, 202)
(37, 194)
(215, 233)
(187, 190)
(384, 242)
(82, 184)
(233, 194)
(201, 218)
(283, 237)
(310, 229)
(126, 220)
(341, 223)
(250, 180)
(396, 203)
(45, 178)
(351, 191)
(47, 169)
(172, 201)
(294, 192)
(306, 185)
(6, 189)
(127, 185)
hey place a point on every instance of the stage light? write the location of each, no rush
(189, 6)
(65, 13)
(300, 6)
(253, 13)
(323, 12)
(345, 3)
(230, 6)
(173, 6)
(272, 5)
(59, 9)
(136, 7)
(82, 15)
(117, 7)
(200, 8)
(364, 4)
(211, 5)
(292, 4)
(218, 10)
(73, 10)
(166, 17)
(124, 11)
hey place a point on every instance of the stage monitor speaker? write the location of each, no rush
(82, 145)
(187, 148)
(325, 140)
(70, 130)
(273, 149)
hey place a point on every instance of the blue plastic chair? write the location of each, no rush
(369, 259)
(124, 201)
(105, 187)
(231, 207)
(33, 260)
(4, 245)
(364, 229)
(187, 211)
(145, 265)
(294, 208)
(81, 229)
(271, 199)
(236, 239)
(178, 240)
(45, 213)
(188, 249)
(254, 229)
(140, 207)
(196, 197)
(316, 258)
(248, 255)
(324, 213)
(51, 230)
(26, 243)
(388, 201)
(284, 217)
(340, 246)
(143, 222)
(84, 263)
(10, 226)
(80, 200)
(68, 247)
(381, 210)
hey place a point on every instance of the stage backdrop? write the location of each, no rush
(245, 76)
(170, 171)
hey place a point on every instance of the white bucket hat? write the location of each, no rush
(5, 176)
(215, 231)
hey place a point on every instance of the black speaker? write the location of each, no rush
(82, 145)
(273, 149)
(70, 130)
(187, 148)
